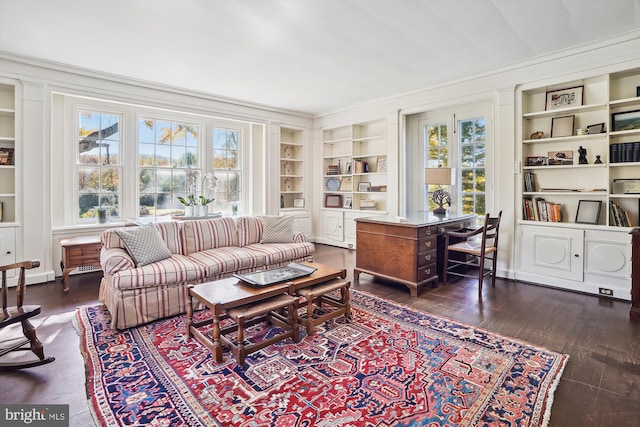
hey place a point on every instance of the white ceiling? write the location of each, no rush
(312, 56)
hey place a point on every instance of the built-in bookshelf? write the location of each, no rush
(292, 172)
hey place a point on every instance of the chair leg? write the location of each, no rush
(480, 274)
(30, 333)
(494, 262)
(446, 262)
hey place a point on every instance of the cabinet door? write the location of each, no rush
(608, 254)
(332, 225)
(8, 247)
(553, 251)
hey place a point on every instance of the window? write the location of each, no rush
(472, 162)
(166, 149)
(437, 154)
(98, 163)
(226, 169)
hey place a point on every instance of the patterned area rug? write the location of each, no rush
(390, 366)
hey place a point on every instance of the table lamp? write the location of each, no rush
(440, 176)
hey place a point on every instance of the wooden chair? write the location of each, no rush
(473, 248)
(20, 313)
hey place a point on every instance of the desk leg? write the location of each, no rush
(65, 278)
(189, 313)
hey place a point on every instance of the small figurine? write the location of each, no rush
(598, 161)
(582, 159)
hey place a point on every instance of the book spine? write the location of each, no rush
(636, 151)
(629, 155)
(613, 153)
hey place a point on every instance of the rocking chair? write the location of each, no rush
(20, 313)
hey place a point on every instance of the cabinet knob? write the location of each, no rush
(576, 255)
(8, 252)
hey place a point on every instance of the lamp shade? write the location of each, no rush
(439, 176)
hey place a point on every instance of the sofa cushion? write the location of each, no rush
(144, 244)
(201, 235)
(175, 269)
(277, 229)
(221, 262)
(249, 230)
(171, 233)
(277, 253)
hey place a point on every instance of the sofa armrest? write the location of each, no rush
(113, 260)
(299, 237)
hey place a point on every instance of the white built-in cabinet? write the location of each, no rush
(7, 173)
(292, 177)
(587, 247)
(354, 180)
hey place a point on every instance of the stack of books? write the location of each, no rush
(333, 170)
(537, 209)
(619, 216)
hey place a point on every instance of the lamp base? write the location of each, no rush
(440, 211)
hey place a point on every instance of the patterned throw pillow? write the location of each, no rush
(277, 229)
(144, 244)
(249, 230)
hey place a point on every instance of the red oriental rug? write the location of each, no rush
(391, 366)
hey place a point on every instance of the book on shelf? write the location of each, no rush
(538, 209)
(623, 152)
(619, 216)
(529, 181)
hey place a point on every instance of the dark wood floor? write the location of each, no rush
(600, 385)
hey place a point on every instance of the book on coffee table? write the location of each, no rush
(277, 275)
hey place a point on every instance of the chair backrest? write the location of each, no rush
(24, 265)
(492, 228)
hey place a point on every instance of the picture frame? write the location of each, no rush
(564, 98)
(347, 202)
(588, 211)
(347, 167)
(629, 120)
(6, 156)
(595, 129)
(381, 164)
(346, 183)
(562, 126)
(332, 201)
(564, 157)
(537, 161)
(364, 186)
(298, 203)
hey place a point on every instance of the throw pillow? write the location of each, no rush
(144, 244)
(249, 230)
(277, 229)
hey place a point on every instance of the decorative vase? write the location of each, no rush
(188, 211)
(203, 210)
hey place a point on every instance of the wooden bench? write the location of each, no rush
(319, 294)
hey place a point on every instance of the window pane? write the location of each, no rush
(88, 179)
(175, 148)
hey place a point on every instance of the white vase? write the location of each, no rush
(188, 211)
(203, 210)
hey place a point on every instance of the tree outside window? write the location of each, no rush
(226, 168)
(98, 163)
(473, 150)
(437, 154)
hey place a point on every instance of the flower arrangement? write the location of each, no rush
(207, 186)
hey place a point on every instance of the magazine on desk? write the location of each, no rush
(277, 275)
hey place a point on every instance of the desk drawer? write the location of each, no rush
(427, 272)
(426, 258)
(428, 244)
(79, 255)
(431, 230)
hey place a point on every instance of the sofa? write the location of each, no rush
(147, 268)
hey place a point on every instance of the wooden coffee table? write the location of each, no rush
(233, 295)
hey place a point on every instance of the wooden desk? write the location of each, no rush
(79, 252)
(407, 252)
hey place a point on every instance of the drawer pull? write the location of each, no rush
(428, 257)
(428, 232)
(428, 270)
(428, 244)
(442, 229)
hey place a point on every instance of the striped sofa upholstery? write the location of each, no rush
(201, 250)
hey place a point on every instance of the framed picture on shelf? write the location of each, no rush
(364, 186)
(564, 98)
(537, 161)
(560, 158)
(347, 167)
(562, 126)
(346, 183)
(298, 203)
(382, 164)
(6, 156)
(595, 129)
(332, 201)
(588, 211)
(347, 202)
(629, 120)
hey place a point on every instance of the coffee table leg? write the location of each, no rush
(189, 312)
(217, 346)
